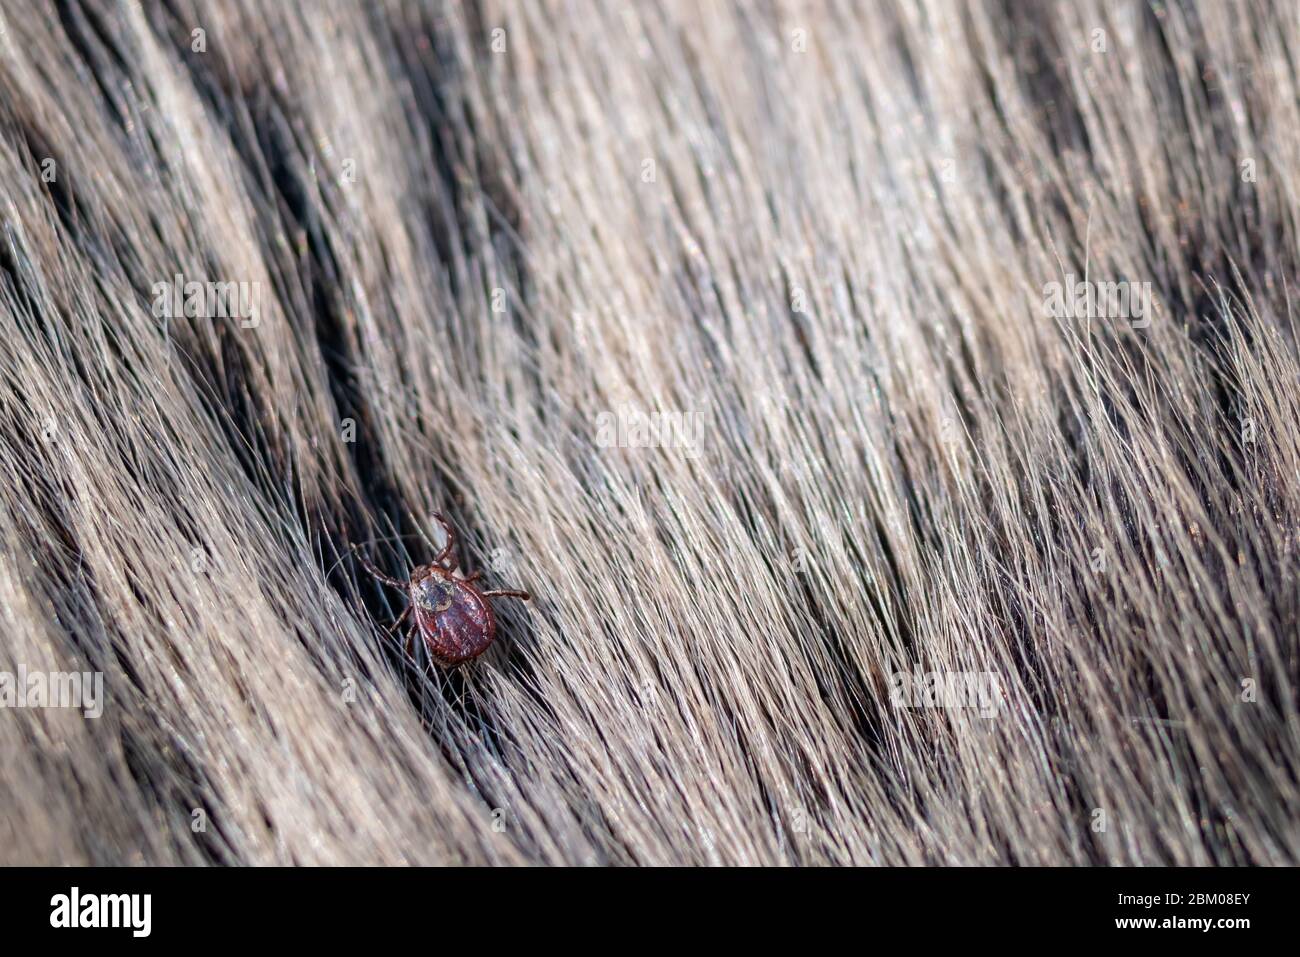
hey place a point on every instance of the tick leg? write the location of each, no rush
(400, 618)
(451, 539)
(377, 573)
(507, 593)
(472, 578)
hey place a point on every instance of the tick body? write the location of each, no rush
(452, 616)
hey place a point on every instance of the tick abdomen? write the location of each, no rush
(454, 621)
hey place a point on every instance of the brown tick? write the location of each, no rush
(453, 617)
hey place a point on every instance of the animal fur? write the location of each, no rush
(722, 329)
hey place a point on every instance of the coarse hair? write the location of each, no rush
(757, 341)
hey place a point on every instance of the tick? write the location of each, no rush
(454, 618)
